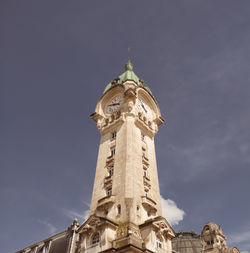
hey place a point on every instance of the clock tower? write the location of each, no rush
(125, 212)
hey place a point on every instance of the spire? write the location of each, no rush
(128, 66)
(127, 75)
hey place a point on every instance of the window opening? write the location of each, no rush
(109, 191)
(143, 152)
(111, 170)
(119, 209)
(46, 246)
(96, 239)
(142, 137)
(158, 243)
(113, 135)
(112, 151)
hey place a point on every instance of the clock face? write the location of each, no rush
(142, 106)
(114, 104)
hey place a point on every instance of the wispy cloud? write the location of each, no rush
(240, 240)
(171, 212)
(51, 228)
(239, 237)
(76, 214)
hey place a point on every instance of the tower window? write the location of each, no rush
(109, 191)
(113, 135)
(142, 137)
(111, 170)
(143, 152)
(112, 151)
(96, 239)
(119, 209)
(144, 171)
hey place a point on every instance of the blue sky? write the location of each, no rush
(56, 59)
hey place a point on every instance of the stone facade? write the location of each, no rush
(125, 212)
(214, 241)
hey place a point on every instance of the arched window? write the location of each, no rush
(96, 239)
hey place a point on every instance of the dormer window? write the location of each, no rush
(112, 151)
(96, 239)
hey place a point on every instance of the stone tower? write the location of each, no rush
(125, 212)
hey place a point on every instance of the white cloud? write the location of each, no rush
(51, 229)
(171, 212)
(74, 214)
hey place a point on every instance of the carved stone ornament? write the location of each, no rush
(213, 239)
(130, 93)
(90, 225)
(161, 228)
(128, 229)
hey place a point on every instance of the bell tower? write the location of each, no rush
(125, 212)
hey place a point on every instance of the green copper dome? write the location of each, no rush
(128, 75)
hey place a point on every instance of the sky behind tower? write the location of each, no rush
(56, 59)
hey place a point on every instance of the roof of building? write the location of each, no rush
(128, 75)
(58, 243)
(187, 242)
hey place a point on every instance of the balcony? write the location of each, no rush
(110, 159)
(149, 204)
(146, 182)
(145, 160)
(108, 180)
(106, 202)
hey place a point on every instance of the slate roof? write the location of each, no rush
(187, 242)
(58, 243)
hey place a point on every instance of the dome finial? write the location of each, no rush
(128, 65)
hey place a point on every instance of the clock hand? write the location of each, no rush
(114, 104)
(144, 108)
